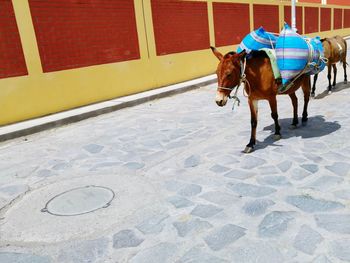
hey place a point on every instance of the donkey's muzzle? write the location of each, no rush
(221, 99)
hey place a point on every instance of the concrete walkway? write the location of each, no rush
(166, 181)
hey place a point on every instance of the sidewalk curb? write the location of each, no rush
(28, 127)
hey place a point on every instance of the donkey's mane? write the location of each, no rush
(252, 54)
(257, 54)
(229, 54)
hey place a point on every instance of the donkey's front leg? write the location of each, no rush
(274, 115)
(305, 85)
(253, 105)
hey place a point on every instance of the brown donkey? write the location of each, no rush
(259, 84)
(335, 49)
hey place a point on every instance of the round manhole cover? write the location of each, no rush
(79, 201)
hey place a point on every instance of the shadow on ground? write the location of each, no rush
(338, 87)
(316, 126)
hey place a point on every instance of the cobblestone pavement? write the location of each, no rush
(184, 191)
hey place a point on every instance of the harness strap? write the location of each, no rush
(243, 76)
(340, 49)
(243, 79)
(311, 51)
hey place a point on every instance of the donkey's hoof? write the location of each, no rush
(329, 92)
(248, 149)
(312, 95)
(293, 126)
(345, 82)
(277, 137)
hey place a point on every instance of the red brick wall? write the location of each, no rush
(325, 19)
(346, 18)
(311, 21)
(299, 17)
(266, 16)
(80, 33)
(12, 61)
(338, 18)
(180, 26)
(227, 29)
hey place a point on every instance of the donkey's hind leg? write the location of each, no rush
(274, 115)
(306, 85)
(329, 76)
(344, 60)
(335, 74)
(294, 99)
(314, 86)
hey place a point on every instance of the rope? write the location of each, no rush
(236, 99)
(298, 76)
(311, 51)
(242, 79)
(271, 42)
(247, 84)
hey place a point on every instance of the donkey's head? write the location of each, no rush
(228, 73)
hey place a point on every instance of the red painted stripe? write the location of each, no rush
(338, 18)
(74, 34)
(325, 19)
(12, 62)
(266, 16)
(311, 21)
(310, 1)
(299, 17)
(338, 2)
(180, 26)
(346, 18)
(227, 31)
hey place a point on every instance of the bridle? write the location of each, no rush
(242, 79)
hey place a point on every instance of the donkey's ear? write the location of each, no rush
(242, 54)
(216, 53)
(322, 39)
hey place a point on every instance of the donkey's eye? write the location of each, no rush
(229, 75)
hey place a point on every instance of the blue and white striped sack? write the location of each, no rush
(292, 53)
(256, 40)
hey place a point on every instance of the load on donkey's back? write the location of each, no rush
(291, 54)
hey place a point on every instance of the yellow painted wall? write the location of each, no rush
(40, 94)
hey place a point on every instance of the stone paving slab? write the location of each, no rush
(184, 191)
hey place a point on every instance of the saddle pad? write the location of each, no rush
(271, 53)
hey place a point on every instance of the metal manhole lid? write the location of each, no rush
(79, 201)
